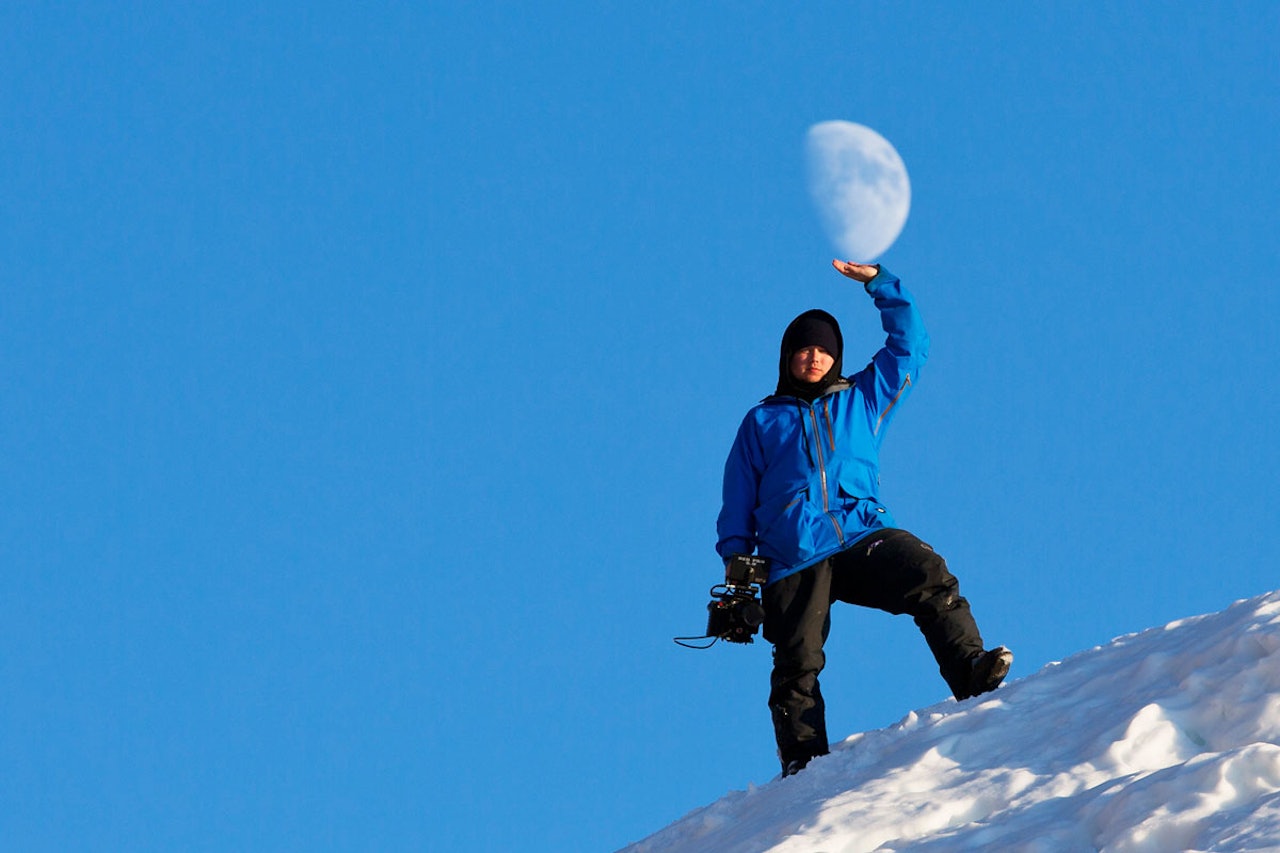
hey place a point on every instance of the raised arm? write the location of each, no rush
(895, 367)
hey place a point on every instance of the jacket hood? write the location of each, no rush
(814, 326)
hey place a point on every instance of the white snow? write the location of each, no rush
(1160, 741)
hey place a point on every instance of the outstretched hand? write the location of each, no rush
(858, 272)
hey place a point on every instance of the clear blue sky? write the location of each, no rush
(366, 376)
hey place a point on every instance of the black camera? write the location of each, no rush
(735, 613)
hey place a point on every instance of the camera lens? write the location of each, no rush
(750, 614)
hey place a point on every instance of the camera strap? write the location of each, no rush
(683, 641)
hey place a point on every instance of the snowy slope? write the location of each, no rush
(1160, 741)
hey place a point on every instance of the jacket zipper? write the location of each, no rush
(822, 474)
(892, 403)
(831, 433)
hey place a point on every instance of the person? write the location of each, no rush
(802, 488)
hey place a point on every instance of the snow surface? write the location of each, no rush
(1160, 741)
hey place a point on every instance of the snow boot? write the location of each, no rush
(795, 760)
(794, 766)
(989, 669)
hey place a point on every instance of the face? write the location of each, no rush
(811, 363)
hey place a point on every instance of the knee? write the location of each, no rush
(796, 661)
(940, 590)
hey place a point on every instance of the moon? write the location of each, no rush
(860, 187)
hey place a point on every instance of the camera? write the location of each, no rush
(735, 613)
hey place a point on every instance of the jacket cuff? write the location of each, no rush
(882, 278)
(735, 545)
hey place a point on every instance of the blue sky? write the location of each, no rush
(367, 375)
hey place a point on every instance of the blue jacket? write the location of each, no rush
(802, 480)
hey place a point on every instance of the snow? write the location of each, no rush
(1164, 740)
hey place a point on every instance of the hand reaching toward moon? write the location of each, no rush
(858, 272)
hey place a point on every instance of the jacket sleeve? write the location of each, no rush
(742, 471)
(895, 367)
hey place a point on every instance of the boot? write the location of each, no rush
(989, 669)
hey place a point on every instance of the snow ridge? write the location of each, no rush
(1158, 741)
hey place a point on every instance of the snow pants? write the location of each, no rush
(889, 570)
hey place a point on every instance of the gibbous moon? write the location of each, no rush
(860, 187)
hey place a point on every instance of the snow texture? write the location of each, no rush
(1160, 741)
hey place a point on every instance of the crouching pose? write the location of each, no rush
(802, 488)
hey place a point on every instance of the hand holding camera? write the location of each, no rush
(735, 613)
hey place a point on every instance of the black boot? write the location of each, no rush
(795, 765)
(989, 669)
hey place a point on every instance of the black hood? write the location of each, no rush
(821, 326)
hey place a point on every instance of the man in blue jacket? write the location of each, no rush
(802, 487)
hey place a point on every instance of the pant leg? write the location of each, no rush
(797, 620)
(896, 572)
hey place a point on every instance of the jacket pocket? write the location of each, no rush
(863, 512)
(785, 530)
(772, 511)
(851, 490)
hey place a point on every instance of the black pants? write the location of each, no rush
(889, 570)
